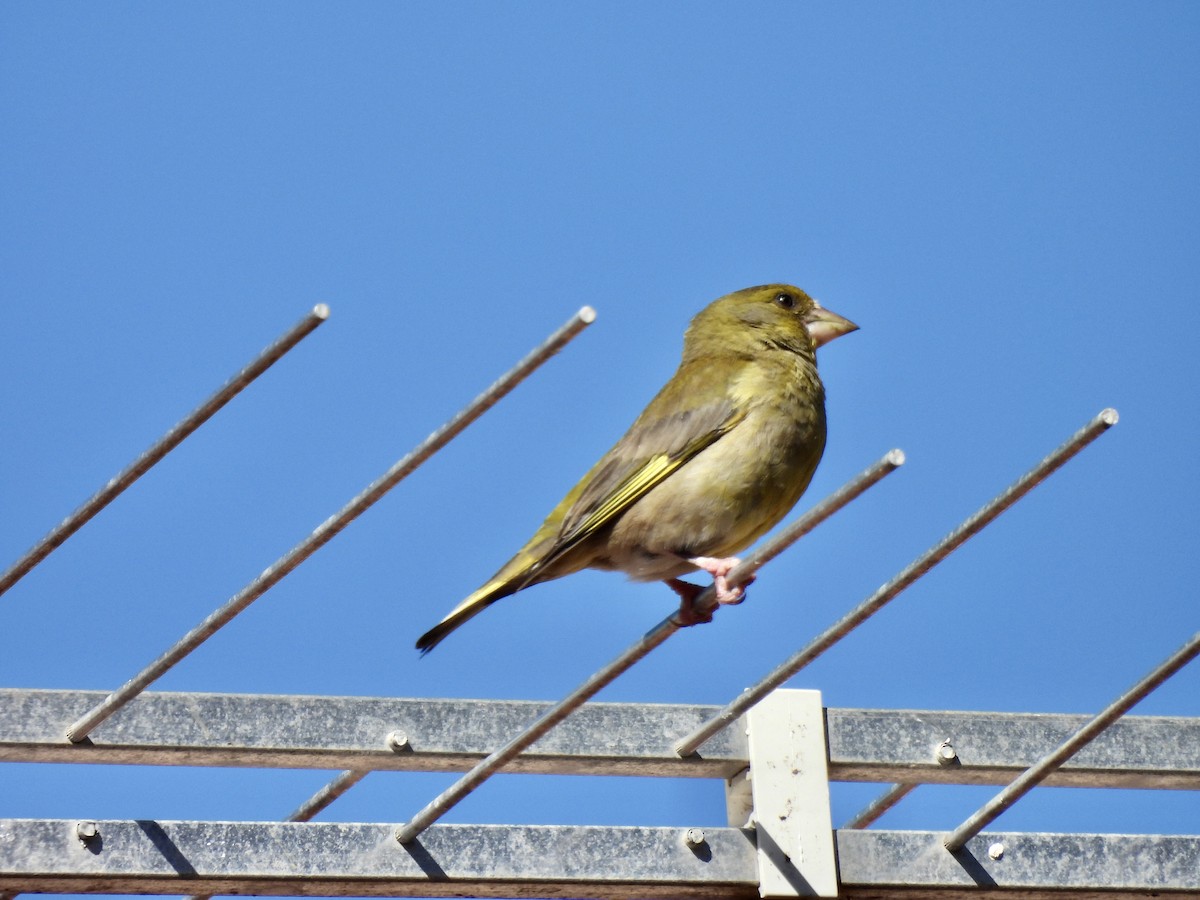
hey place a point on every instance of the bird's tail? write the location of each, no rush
(475, 604)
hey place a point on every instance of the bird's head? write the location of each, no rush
(770, 315)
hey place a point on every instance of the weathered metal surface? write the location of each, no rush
(991, 748)
(790, 791)
(168, 729)
(277, 731)
(161, 728)
(328, 859)
(365, 860)
(892, 863)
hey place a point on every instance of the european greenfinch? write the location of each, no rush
(719, 456)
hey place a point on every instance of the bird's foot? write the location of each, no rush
(719, 569)
(688, 592)
(689, 613)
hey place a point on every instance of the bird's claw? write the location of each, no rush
(689, 613)
(719, 569)
(726, 595)
(729, 596)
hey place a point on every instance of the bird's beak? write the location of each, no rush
(824, 325)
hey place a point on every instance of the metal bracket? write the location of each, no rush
(789, 784)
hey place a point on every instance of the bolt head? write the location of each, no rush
(996, 851)
(86, 831)
(397, 740)
(694, 837)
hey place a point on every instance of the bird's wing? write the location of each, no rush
(655, 447)
(663, 438)
(625, 474)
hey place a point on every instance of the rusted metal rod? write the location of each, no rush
(919, 567)
(164, 445)
(330, 527)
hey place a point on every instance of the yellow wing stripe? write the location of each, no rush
(652, 472)
(637, 485)
(625, 494)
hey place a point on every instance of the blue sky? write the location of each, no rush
(1004, 197)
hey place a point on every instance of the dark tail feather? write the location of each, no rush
(468, 609)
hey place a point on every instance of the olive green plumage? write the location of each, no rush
(719, 456)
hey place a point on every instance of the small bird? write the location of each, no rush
(719, 456)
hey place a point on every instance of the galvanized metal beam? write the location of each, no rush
(352, 733)
(914, 863)
(948, 747)
(284, 731)
(365, 860)
(330, 859)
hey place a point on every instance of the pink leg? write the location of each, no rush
(718, 569)
(688, 592)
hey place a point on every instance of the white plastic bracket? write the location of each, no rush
(789, 787)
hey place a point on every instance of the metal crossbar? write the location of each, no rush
(627, 739)
(309, 809)
(357, 860)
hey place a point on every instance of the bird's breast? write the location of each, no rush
(733, 491)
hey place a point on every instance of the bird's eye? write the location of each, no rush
(786, 300)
